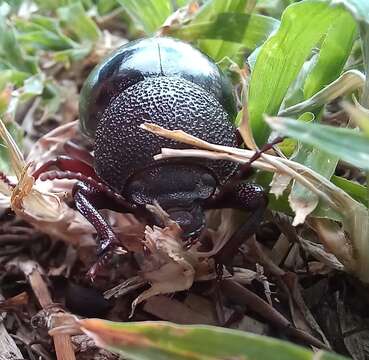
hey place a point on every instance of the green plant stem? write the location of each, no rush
(367, 186)
(364, 34)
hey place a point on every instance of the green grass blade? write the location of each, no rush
(333, 54)
(41, 32)
(348, 144)
(11, 52)
(164, 341)
(347, 83)
(224, 29)
(148, 14)
(79, 23)
(219, 49)
(248, 30)
(355, 190)
(360, 11)
(358, 8)
(282, 56)
(214, 7)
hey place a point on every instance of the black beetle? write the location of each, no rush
(170, 83)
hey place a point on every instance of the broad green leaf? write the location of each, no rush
(358, 8)
(43, 40)
(44, 33)
(347, 83)
(51, 4)
(148, 14)
(288, 146)
(360, 11)
(79, 23)
(248, 30)
(332, 57)
(272, 7)
(164, 341)
(348, 144)
(280, 59)
(11, 53)
(211, 9)
(14, 77)
(355, 190)
(219, 49)
(70, 55)
(333, 54)
(224, 29)
(106, 6)
(295, 93)
(325, 66)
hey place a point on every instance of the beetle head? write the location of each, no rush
(191, 220)
(178, 187)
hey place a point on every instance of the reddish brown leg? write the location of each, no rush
(69, 164)
(88, 201)
(239, 195)
(243, 196)
(89, 198)
(6, 180)
(110, 199)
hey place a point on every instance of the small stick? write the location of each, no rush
(62, 342)
(8, 347)
(243, 296)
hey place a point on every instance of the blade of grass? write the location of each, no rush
(214, 7)
(348, 144)
(147, 13)
(248, 30)
(42, 32)
(333, 54)
(355, 190)
(79, 23)
(360, 11)
(348, 82)
(162, 340)
(328, 65)
(11, 52)
(282, 56)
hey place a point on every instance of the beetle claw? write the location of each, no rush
(99, 265)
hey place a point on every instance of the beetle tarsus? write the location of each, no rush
(100, 264)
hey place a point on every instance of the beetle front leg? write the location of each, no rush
(89, 198)
(243, 196)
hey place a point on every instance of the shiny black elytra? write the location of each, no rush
(170, 83)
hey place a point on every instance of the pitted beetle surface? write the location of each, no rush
(169, 83)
